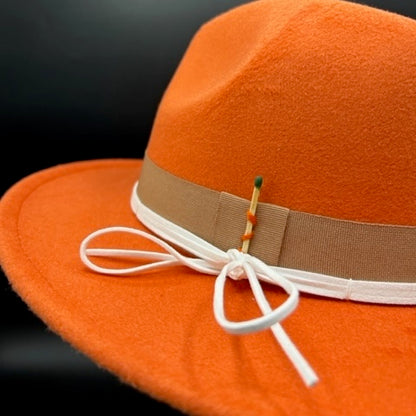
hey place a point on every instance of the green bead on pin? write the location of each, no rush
(258, 182)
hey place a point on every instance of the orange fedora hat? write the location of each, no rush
(261, 258)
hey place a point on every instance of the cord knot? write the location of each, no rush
(236, 261)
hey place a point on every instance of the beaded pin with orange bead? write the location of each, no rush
(251, 215)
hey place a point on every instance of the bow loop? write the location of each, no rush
(233, 264)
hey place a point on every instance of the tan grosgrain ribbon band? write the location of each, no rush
(285, 238)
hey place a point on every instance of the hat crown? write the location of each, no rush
(318, 97)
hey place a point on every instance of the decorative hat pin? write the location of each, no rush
(251, 214)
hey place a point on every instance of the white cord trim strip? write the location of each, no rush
(396, 293)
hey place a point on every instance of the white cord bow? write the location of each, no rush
(233, 264)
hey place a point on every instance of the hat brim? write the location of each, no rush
(157, 331)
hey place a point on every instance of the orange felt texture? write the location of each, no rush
(317, 96)
(157, 331)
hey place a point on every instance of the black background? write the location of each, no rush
(79, 80)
